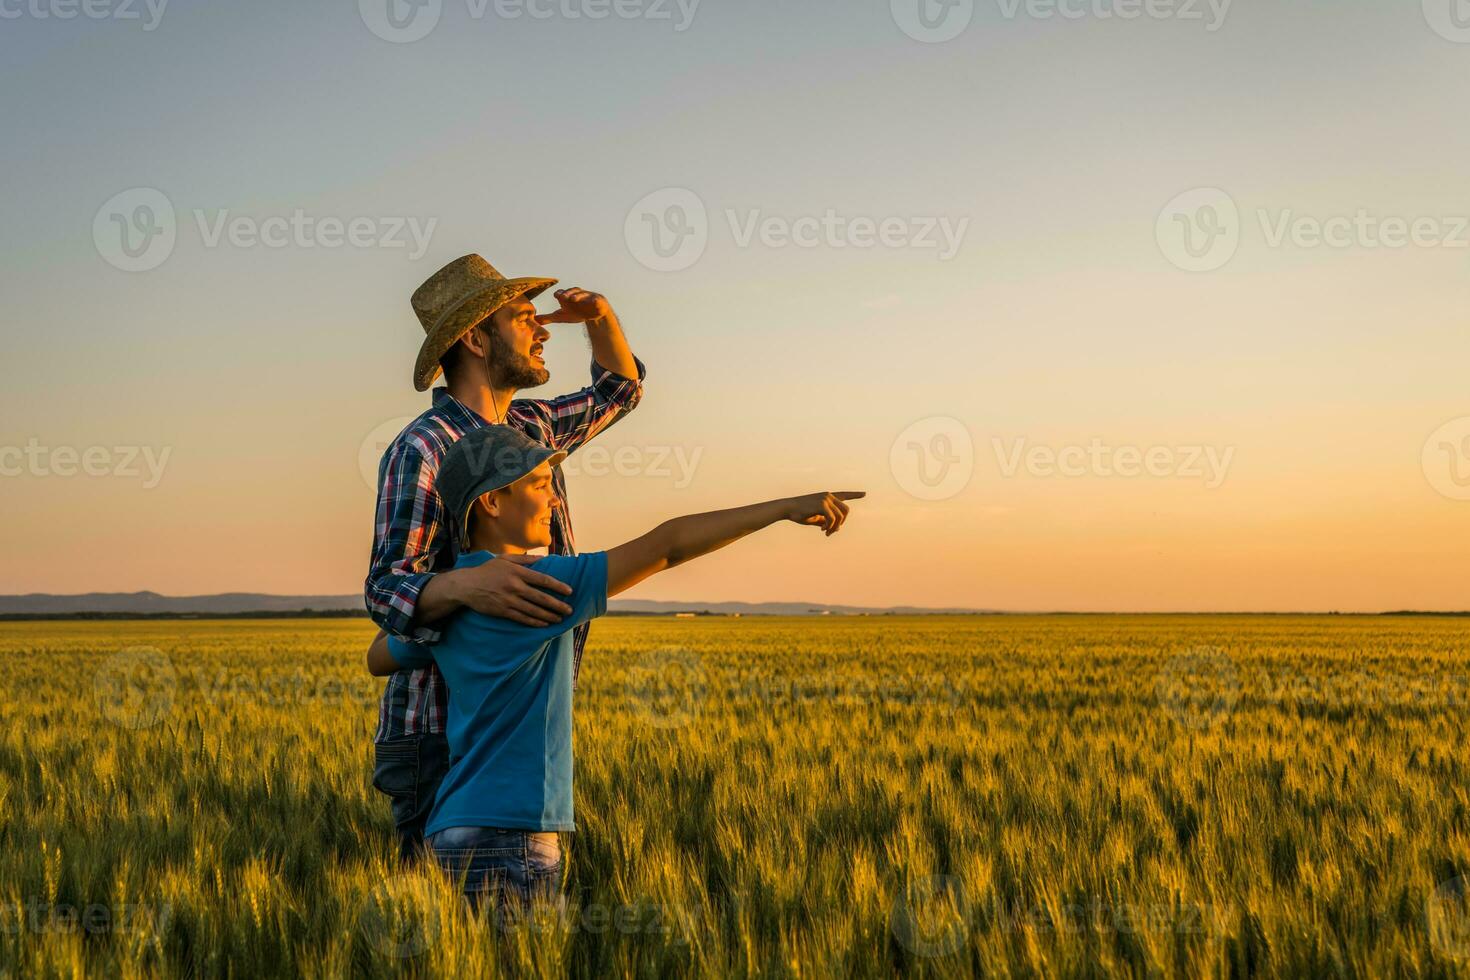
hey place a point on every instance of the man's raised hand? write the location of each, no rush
(577, 306)
(825, 510)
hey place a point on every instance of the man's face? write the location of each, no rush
(516, 346)
(522, 511)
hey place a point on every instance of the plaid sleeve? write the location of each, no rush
(407, 534)
(573, 419)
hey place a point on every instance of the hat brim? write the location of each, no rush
(457, 322)
(534, 458)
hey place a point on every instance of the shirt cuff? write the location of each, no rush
(611, 383)
(402, 599)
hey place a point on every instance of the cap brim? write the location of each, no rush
(493, 483)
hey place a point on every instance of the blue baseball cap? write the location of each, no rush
(488, 458)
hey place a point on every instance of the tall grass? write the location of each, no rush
(1078, 796)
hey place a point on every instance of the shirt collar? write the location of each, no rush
(460, 413)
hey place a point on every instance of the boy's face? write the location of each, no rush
(521, 512)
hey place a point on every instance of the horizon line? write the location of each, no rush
(701, 605)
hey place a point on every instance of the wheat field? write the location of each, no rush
(854, 796)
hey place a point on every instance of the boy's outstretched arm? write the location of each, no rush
(684, 538)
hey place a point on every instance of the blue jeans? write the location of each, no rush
(408, 770)
(517, 867)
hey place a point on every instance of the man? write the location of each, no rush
(493, 827)
(482, 330)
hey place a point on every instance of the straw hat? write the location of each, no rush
(454, 299)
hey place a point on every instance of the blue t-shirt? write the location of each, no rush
(510, 706)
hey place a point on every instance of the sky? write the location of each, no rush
(1107, 304)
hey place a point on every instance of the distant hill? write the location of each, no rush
(237, 603)
(776, 608)
(151, 603)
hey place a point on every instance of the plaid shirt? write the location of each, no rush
(412, 540)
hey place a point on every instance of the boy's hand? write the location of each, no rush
(577, 306)
(504, 588)
(825, 510)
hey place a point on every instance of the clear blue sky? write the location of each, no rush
(1060, 319)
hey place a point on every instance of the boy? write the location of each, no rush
(508, 793)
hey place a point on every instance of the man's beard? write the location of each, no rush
(510, 369)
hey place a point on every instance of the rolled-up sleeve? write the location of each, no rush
(621, 393)
(571, 420)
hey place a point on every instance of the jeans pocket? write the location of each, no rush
(516, 866)
(396, 774)
(482, 840)
(543, 854)
(543, 867)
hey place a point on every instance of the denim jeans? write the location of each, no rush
(409, 770)
(518, 867)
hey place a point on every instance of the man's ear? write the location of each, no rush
(489, 504)
(476, 340)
